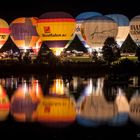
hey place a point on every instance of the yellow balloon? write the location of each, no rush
(56, 29)
(56, 109)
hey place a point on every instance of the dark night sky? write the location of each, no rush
(10, 9)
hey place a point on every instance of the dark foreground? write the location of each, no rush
(35, 130)
(126, 66)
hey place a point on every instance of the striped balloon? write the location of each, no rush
(4, 32)
(23, 32)
(56, 30)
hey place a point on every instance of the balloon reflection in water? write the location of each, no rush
(58, 88)
(135, 108)
(56, 111)
(4, 104)
(25, 100)
(94, 110)
(123, 109)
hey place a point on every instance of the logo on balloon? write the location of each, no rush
(135, 29)
(47, 29)
(2, 36)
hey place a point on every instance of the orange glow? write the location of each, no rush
(56, 109)
(36, 48)
(58, 87)
(25, 100)
(4, 104)
(57, 51)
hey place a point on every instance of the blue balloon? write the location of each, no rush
(88, 123)
(86, 15)
(119, 119)
(120, 19)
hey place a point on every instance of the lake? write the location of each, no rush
(70, 106)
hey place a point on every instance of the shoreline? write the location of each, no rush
(70, 68)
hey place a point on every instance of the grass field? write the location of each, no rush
(133, 58)
(78, 59)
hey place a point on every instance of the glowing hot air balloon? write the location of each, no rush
(56, 111)
(4, 32)
(135, 108)
(94, 110)
(23, 33)
(56, 29)
(81, 18)
(123, 27)
(4, 104)
(97, 29)
(24, 102)
(123, 109)
(135, 29)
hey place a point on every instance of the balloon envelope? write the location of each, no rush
(81, 18)
(56, 111)
(135, 29)
(123, 27)
(56, 29)
(23, 32)
(4, 32)
(24, 102)
(4, 104)
(97, 29)
(123, 110)
(95, 109)
(135, 109)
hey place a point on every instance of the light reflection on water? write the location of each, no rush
(59, 101)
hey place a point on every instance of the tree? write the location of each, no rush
(110, 50)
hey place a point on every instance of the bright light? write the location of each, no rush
(89, 88)
(57, 51)
(57, 87)
(25, 50)
(25, 88)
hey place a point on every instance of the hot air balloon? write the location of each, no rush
(81, 18)
(135, 29)
(4, 104)
(134, 113)
(123, 27)
(24, 102)
(56, 29)
(23, 33)
(97, 29)
(37, 47)
(123, 110)
(4, 32)
(56, 111)
(93, 109)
